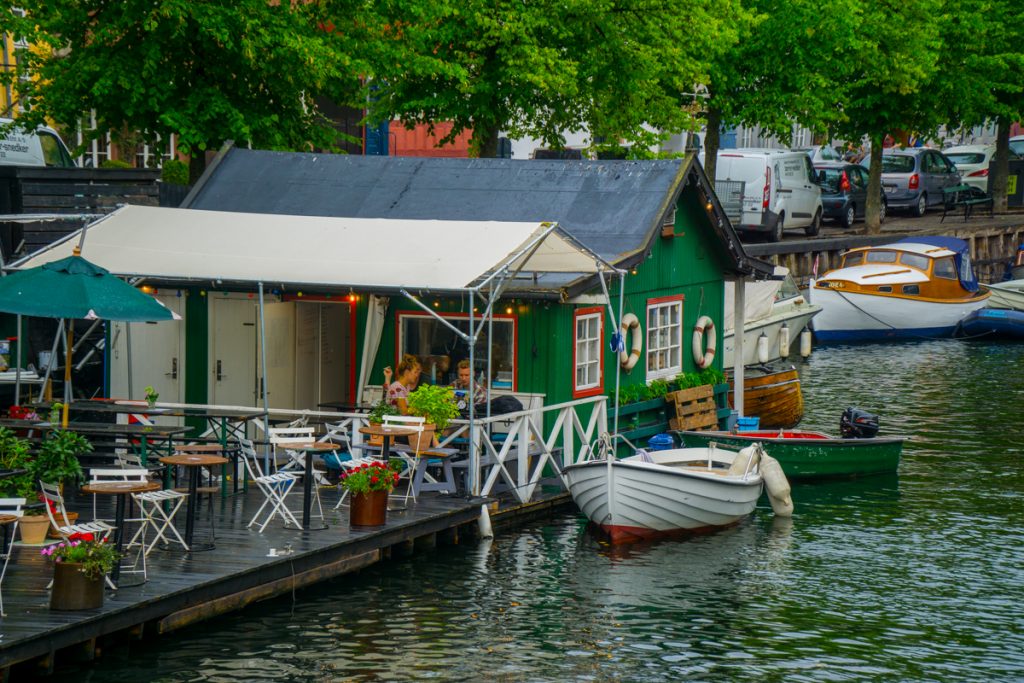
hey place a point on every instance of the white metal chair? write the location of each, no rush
(285, 440)
(151, 506)
(275, 488)
(410, 456)
(100, 475)
(338, 433)
(9, 507)
(64, 527)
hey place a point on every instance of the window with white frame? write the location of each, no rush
(664, 337)
(587, 354)
(439, 349)
(98, 150)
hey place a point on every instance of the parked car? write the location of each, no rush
(818, 153)
(844, 192)
(914, 178)
(972, 161)
(1017, 146)
(42, 147)
(768, 191)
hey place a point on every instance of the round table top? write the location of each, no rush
(314, 446)
(114, 488)
(193, 460)
(381, 430)
(199, 448)
(8, 519)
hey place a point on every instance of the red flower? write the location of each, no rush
(374, 479)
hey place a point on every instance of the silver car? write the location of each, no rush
(914, 178)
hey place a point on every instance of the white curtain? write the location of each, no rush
(375, 316)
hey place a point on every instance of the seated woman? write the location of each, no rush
(398, 391)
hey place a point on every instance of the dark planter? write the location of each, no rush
(368, 509)
(74, 590)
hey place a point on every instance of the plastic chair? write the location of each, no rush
(275, 488)
(9, 507)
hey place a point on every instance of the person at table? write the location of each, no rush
(462, 384)
(408, 377)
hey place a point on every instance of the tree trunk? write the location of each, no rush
(484, 144)
(196, 165)
(872, 224)
(999, 168)
(711, 142)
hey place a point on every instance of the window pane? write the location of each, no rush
(437, 346)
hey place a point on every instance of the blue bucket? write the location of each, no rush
(747, 424)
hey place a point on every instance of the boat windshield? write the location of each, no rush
(854, 258)
(788, 289)
(915, 261)
(881, 256)
(944, 267)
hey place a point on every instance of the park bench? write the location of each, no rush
(966, 196)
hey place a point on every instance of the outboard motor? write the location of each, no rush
(858, 424)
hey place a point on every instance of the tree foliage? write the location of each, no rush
(203, 70)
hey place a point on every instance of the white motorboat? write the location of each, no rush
(916, 287)
(1009, 295)
(768, 307)
(659, 493)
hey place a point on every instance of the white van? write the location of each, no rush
(40, 148)
(768, 191)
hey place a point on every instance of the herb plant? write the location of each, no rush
(56, 461)
(435, 403)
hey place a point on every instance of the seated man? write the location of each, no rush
(462, 387)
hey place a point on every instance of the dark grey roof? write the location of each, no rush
(610, 206)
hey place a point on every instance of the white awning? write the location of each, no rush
(187, 244)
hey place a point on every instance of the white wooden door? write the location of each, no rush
(279, 319)
(157, 356)
(232, 352)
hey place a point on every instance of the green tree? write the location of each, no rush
(617, 67)
(203, 70)
(983, 77)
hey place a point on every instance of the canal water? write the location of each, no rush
(915, 577)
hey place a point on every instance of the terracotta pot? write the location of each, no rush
(72, 518)
(376, 440)
(33, 529)
(368, 509)
(422, 441)
(74, 590)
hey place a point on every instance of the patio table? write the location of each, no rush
(307, 480)
(121, 489)
(193, 461)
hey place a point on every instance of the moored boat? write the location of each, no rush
(916, 287)
(806, 454)
(1009, 295)
(683, 490)
(993, 322)
(772, 395)
(775, 312)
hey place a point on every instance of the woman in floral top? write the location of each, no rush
(408, 377)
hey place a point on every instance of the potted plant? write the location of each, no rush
(369, 485)
(151, 396)
(14, 458)
(56, 462)
(376, 416)
(437, 405)
(78, 571)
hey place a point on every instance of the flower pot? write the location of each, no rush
(33, 529)
(376, 440)
(422, 441)
(74, 590)
(368, 509)
(72, 518)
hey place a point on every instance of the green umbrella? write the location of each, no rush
(75, 288)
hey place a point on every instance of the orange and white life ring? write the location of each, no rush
(701, 357)
(630, 324)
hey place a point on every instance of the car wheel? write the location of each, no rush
(779, 229)
(921, 206)
(849, 216)
(815, 227)
(882, 210)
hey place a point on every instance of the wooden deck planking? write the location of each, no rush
(184, 588)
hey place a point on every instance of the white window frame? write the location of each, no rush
(596, 347)
(653, 333)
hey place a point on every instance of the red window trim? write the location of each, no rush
(599, 389)
(681, 298)
(463, 316)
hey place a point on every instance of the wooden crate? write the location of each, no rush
(693, 408)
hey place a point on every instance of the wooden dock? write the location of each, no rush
(184, 588)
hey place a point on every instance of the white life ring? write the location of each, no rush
(630, 323)
(700, 357)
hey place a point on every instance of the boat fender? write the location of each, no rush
(784, 341)
(631, 324)
(745, 461)
(805, 343)
(484, 523)
(701, 357)
(762, 348)
(777, 486)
